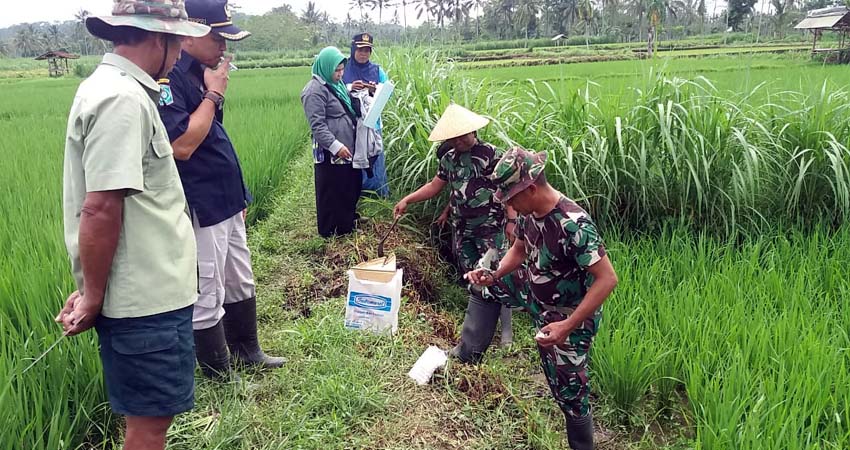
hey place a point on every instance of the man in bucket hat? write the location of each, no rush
(192, 111)
(126, 229)
(479, 223)
(569, 275)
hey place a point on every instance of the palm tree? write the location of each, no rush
(780, 8)
(53, 37)
(585, 14)
(657, 11)
(359, 4)
(404, 11)
(441, 9)
(424, 6)
(349, 23)
(380, 4)
(506, 7)
(527, 14)
(478, 5)
(28, 41)
(80, 34)
(701, 13)
(458, 10)
(638, 8)
(311, 15)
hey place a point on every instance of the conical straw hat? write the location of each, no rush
(456, 121)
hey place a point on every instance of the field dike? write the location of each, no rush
(343, 389)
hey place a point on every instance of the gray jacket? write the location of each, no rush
(368, 142)
(330, 124)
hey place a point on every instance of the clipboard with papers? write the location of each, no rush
(382, 96)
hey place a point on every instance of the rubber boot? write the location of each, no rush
(211, 352)
(479, 325)
(580, 432)
(240, 327)
(507, 329)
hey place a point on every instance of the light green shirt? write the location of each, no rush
(116, 140)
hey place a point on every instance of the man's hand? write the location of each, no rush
(344, 153)
(400, 208)
(481, 277)
(443, 219)
(555, 333)
(69, 306)
(216, 80)
(78, 314)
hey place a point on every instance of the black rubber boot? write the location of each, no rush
(479, 326)
(580, 432)
(240, 327)
(507, 338)
(211, 352)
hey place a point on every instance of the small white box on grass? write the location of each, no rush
(374, 296)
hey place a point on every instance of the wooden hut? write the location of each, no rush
(834, 19)
(55, 60)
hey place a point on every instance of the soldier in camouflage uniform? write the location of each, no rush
(479, 222)
(569, 276)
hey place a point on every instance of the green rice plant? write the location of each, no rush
(59, 401)
(754, 332)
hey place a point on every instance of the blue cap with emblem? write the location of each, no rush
(362, 40)
(216, 14)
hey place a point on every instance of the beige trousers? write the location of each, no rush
(224, 269)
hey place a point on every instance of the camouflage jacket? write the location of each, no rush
(471, 189)
(560, 247)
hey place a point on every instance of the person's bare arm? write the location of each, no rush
(604, 282)
(427, 191)
(100, 227)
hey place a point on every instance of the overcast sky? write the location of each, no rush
(14, 12)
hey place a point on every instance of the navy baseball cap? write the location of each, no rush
(363, 40)
(216, 14)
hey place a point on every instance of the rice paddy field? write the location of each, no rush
(721, 185)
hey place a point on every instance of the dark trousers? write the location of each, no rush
(338, 188)
(479, 325)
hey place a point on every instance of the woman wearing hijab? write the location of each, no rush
(361, 73)
(332, 118)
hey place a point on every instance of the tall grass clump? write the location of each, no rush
(674, 150)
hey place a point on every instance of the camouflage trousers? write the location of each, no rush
(565, 366)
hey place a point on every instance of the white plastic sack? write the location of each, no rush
(372, 304)
(430, 361)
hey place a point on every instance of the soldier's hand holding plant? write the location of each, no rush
(481, 277)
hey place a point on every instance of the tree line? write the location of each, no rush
(285, 29)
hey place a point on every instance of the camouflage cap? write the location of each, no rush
(517, 170)
(157, 16)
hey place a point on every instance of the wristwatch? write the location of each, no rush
(216, 98)
(513, 221)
